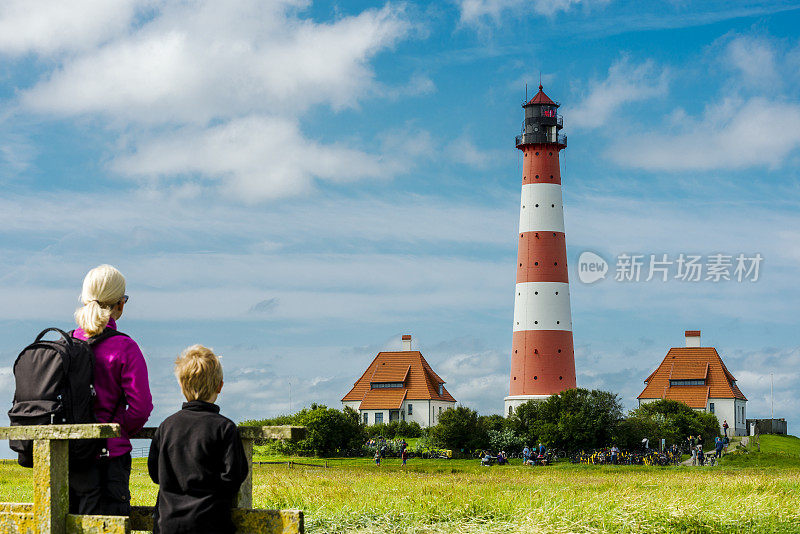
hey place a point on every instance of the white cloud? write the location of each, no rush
(464, 151)
(734, 133)
(254, 157)
(754, 121)
(200, 61)
(475, 12)
(756, 61)
(626, 82)
(205, 92)
(6, 379)
(52, 26)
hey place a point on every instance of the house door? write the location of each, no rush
(394, 415)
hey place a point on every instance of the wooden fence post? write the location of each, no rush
(51, 485)
(245, 497)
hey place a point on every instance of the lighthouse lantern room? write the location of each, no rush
(542, 357)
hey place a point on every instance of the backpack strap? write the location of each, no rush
(94, 340)
(102, 336)
(67, 337)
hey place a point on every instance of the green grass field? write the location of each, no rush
(459, 496)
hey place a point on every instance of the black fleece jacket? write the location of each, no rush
(197, 460)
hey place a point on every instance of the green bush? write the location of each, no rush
(459, 429)
(576, 419)
(668, 419)
(505, 440)
(395, 429)
(330, 431)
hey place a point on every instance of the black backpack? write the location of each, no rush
(55, 385)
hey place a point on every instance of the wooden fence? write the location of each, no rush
(49, 512)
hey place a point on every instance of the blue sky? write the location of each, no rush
(297, 184)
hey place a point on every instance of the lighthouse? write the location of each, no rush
(542, 353)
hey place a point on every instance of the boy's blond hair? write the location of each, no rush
(199, 372)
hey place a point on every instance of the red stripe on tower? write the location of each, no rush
(542, 357)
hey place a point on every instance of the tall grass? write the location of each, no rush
(440, 496)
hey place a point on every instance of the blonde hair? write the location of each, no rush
(199, 373)
(103, 287)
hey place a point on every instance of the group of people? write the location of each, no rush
(381, 450)
(695, 444)
(534, 456)
(196, 455)
(487, 459)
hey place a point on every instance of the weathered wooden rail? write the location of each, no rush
(49, 512)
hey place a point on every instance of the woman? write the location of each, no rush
(123, 395)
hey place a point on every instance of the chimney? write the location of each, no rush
(406, 342)
(693, 338)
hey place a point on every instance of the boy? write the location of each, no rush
(196, 456)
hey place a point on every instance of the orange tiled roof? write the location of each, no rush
(692, 363)
(390, 373)
(420, 381)
(690, 371)
(386, 398)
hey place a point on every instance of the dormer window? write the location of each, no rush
(701, 382)
(381, 385)
(441, 389)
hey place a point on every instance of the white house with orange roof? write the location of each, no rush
(399, 386)
(697, 376)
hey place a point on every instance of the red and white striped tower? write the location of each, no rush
(542, 357)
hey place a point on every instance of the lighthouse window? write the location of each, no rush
(537, 205)
(537, 176)
(558, 322)
(555, 263)
(556, 292)
(537, 153)
(536, 378)
(551, 176)
(535, 292)
(535, 322)
(552, 205)
(559, 351)
(561, 378)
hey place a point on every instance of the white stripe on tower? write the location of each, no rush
(541, 208)
(542, 306)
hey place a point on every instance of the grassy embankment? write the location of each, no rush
(437, 496)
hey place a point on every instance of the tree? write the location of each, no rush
(494, 422)
(328, 430)
(459, 429)
(505, 440)
(668, 419)
(573, 420)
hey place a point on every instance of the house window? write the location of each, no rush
(380, 385)
(378, 418)
(510, 411)
(410, 409)
(366, 418)
(711, 407)
(440, 411)
(701, 382)
(441, 389)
